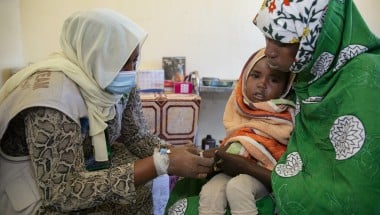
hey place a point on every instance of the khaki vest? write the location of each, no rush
(19, 193)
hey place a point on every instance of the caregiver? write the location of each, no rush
(332, 163)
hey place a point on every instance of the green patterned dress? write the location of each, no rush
(332, 163)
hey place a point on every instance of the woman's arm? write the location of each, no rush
(134, 130)
(235, 164)
(56, 149)
(182, 161)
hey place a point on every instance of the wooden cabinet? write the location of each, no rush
(173, 117)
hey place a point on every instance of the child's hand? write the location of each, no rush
(210, 153)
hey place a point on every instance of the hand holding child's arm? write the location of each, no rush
(233, 165)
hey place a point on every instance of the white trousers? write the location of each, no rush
(239, 192)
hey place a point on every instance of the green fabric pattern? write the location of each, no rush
(332, 163)
(283, 101)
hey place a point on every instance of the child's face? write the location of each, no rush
(264, 84)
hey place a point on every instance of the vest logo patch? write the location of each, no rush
(37, 81)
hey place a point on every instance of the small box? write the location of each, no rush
(183, 87)
(150, 80)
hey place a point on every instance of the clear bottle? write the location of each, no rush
(208, 142)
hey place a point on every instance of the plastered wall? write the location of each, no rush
(216, 36)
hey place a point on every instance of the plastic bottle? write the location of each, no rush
(208, 142)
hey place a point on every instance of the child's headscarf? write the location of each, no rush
(263, 128)
(242, 82)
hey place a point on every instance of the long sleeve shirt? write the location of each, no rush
(57, 145)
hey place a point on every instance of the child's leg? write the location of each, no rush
(212, 198)
(242, 192)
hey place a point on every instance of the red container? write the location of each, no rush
(169, 86)
(183, 87)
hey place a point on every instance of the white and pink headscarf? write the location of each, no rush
(293, 22)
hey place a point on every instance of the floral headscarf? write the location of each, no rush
(293, 22)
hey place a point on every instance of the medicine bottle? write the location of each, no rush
(208, 142)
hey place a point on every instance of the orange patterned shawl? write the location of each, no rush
(262, 128)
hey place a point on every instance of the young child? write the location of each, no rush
(258, 122)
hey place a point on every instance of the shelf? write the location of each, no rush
(216, 89)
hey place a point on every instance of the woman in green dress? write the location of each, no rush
(331, 165)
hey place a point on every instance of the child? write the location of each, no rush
(258, 121)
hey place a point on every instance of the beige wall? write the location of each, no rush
(216, 36)
(11, 51)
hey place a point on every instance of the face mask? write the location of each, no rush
(123, 83)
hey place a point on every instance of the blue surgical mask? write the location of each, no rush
(123, 83)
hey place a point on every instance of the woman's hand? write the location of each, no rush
(210, 153)
(233, 165)
(185, 161)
